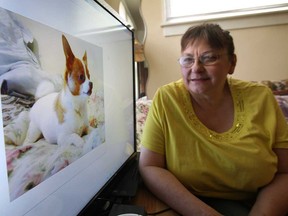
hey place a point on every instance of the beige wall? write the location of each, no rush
(114, 4)
(262, 52)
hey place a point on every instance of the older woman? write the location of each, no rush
(215, 145)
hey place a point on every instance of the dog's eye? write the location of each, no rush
(82, 77)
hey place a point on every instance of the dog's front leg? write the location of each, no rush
(33, 134)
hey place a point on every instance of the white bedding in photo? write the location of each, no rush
(30, 164)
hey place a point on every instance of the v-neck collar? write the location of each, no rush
(239, 115)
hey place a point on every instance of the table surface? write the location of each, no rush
(151, 204)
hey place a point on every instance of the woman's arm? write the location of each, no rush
(273, 198)
(167, 188)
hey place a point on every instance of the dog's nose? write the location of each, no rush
(90, 88)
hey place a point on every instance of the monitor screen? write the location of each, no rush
(67, 101)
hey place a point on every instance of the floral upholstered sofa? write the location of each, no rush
(279, 88)
(142, 107)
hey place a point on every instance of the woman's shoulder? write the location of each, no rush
(252, 93)
(250, 87)
(173, 91)
(172, 87)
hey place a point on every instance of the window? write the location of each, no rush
(230, 14)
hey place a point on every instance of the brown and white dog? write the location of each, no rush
(61, 117)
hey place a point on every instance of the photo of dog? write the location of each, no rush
(65, 118)
(61, 119)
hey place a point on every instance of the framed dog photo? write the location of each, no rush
(67, 101)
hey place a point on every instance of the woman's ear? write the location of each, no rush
(233, 64)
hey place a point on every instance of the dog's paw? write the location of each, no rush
(94, 139)
(70, 140)
(15, 132)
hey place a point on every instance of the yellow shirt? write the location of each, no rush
(232, 165)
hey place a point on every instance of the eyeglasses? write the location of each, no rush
(205, 59)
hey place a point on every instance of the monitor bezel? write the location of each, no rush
(133, 156)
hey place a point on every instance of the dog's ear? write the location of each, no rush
(85, 58)
(86, 64)
(68, 53)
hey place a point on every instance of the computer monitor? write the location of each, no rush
(59, 148)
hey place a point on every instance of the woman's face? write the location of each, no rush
(208, 73)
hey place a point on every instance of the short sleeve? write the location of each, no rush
(153, 135)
